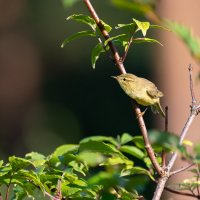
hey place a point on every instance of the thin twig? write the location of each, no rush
(181, 169)
(8, 188)
(182, 193)
(121, 67)
(194, 111)
(191, 86)
(127, 49)
(164, 155)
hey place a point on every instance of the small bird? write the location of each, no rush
(143, 91)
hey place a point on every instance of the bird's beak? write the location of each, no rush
(115, 77)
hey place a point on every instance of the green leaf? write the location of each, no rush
(134, 151)
(83, 19)
(159, 27)
(69, 3)
(161, 139)
(125, 138)
(96, 51)
(91, 158)
(148, 40)
(97, 146)
(128, 28)
(67, 191)
(30, 176)
(61, 150)
(78, 35)
(143, 26)
(66, 158)
(185, 34)
(121, 39)
(67, 148)
(79, 167)
(36, 159)
(100, 139)
(135, 7)
(107, 27)
(136, 170)
(1, 163)
(19, 163)
(139, 142)
(116, 160)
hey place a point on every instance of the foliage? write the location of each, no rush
(72, 166)
(125, 39)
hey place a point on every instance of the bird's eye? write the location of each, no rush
(124, 79)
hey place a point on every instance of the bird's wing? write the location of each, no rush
(153, 92)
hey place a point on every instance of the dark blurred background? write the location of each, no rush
(50, 96)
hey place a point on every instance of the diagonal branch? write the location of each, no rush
(121, 68)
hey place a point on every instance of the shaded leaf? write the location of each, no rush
(83, 19)
(136, 170)
(135, 7)
(184, 33)
(96, 51)
(78, 35)
(69, 3)
(132, 150)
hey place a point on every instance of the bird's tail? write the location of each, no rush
(156, 108)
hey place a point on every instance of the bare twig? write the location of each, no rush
(191, 86)
(181, 169)
(194, 112)
(166, 130)
(121, 67)
(182, 193)
(127, 49)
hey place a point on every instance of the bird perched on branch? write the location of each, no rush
(143, 91)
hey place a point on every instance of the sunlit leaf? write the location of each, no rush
(143, 26)
(78, 35)
(107, 27)
(148, 40)
(19, 163)
(100, 139)
(118, 161)
(37, 159)
(91, 158)
(97, 146)
(125, 138)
